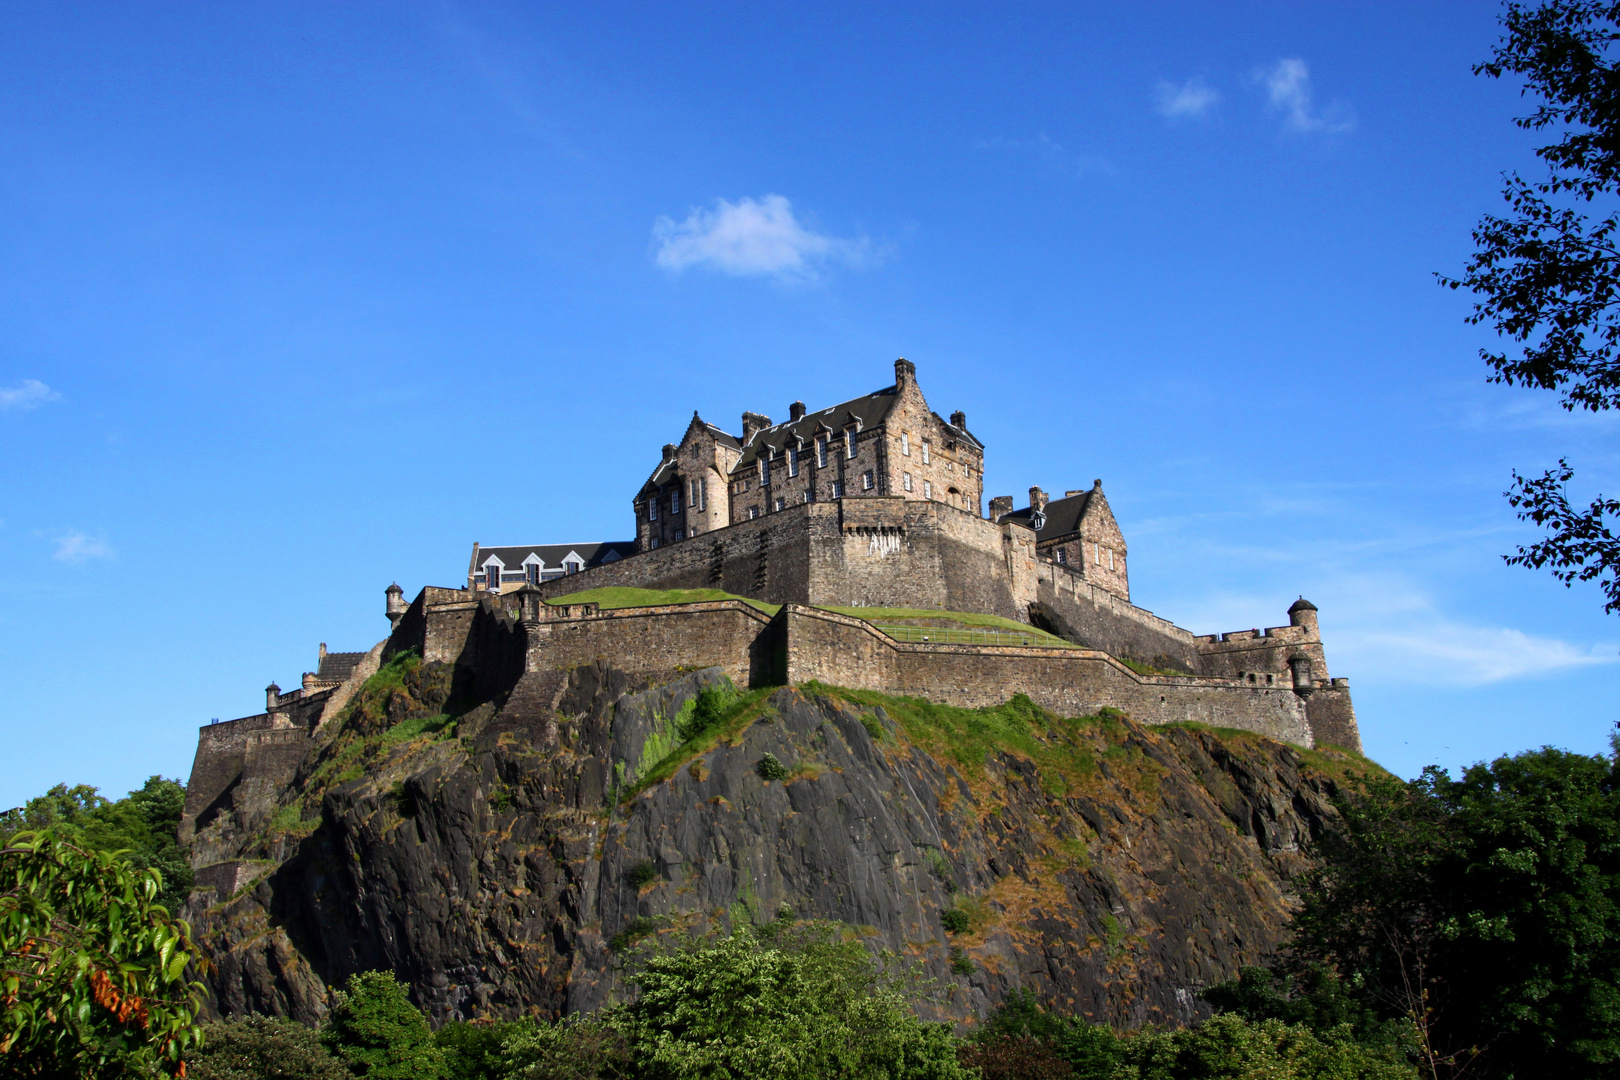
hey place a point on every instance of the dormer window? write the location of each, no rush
(849, 442)
(764, 472)
(793, 461)
(492, 576)
(821, 452)
(570, 566)
(531, 573)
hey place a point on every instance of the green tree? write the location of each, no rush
(576, 1048)
(473, 1051)
(786, 1003)
(143, 827)
(1483, 910)
(258, 1047)
(1228, 1047)
(375, 1030)
(92, 968)
(1548, 273)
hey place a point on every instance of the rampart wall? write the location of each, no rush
(1097, 619)
(262, 750)
(845, 651)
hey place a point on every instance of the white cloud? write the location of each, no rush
(75, 547)
(26, 395)
(752, 238)
(1191, 99)
(1288, 87)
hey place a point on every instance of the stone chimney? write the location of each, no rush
(905, 374)
(272, 697)
(1303, 613)
(959, 419)
(395, 608)
(796, 411)
(753, 423)
(309, 681)
(1000, 506)
(669, 451)
(1037, 499)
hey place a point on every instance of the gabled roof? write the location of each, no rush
(1062, 516)
(338, 666)
(866, 411)
(551, 555)
(666, 470)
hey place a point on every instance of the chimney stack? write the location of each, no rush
(753, 424)
(959, 419)
(796, 411)
(1000, 506)
(669, 451)
(1037, 499)
(905, 374)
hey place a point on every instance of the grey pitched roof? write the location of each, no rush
(337, 666)
(551, 555)
(1062, 516)
(868, 411)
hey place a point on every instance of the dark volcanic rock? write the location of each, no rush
(1114, 871)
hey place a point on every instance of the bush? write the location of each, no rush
(643, 873)
(573, 1049)
(708, 710)
(263, 1047)
(1227, 1047)
(475, 1051)
(955, 920)
(1016, 1057)
(770, 768)
(375, 1030)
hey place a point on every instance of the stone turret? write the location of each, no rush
(1303, 613)
(272, 697)
(395, 608)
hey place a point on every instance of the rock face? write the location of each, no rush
(508, 861)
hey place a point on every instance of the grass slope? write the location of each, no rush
(615, 596)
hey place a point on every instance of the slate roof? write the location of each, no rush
(338, 666)
(664, 473)
(867, 411)
(551, 555)
(1062, 516)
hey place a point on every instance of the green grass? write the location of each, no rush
(726, 725)
(1148, 669)
(962, 619)
(615, 596)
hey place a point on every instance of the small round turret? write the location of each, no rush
(272, 697)
(396, 604)
(1303, 613)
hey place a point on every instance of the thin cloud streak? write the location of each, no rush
(28, 394)
(1288, 89)
(75, 547)
(1189, 100)
(753, 238)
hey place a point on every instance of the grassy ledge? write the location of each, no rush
(966, 620)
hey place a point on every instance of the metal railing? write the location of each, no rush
(943, 635)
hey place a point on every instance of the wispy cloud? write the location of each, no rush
(1052, 157)
(753, 238)
(1190, 100)
(26, 395)
(75, 547)
(1288, 88)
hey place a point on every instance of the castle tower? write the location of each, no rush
(395, 608)
(1303, 613)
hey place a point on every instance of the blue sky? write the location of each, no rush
(300, 299)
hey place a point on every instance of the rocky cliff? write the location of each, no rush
(507, 859)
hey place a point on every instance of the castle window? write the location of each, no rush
(570, 567)
(703, 492)
(928, 488)
(653, 542)
(780, 504)
(675, 501)
(821, 452)
(926, 449)
(1063, 555)
(531, 573)
(849, 443)
(838, 489)
(905, 481)
(764, 472)
(492, 577)
(866, 480)
(905, 446)
(753, 512)
(652, 508)
(680, 534)
(1110, 558)
(793, 461)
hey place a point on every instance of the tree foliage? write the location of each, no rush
(92, 968)
(1547, 274)
(141, 826)
(258, 1047)
(378, 1034)
(1482, 910)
